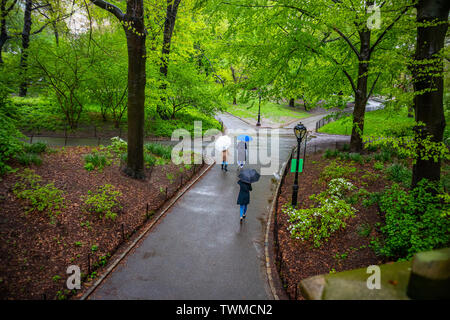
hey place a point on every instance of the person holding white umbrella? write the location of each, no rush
(222, 145)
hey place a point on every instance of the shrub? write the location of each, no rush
(318, 223)
(400, 130)
(384, 156)
(37, 147)
(356, 157)
(10, 144)
(118, 145)
(96, 160)
(364, 230)
(378, 165)
(367, 159)
(344, 156)
(28, 158)
(414, 221)
(38, 113)
(336, 170)
(330, 153)
(371, 147)
(159, 150)
(40, 197)
(104, 201)
(445, 177)
(149, 160)
(399, 173)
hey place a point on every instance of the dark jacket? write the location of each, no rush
(244, 192)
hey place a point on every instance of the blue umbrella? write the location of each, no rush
(244, 137)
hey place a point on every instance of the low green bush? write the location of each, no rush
(415, 220)
(118, 146)
(10, 144)
(96, 160)
(149, 160)
(28, 158)
(400, 130)
(103, 201)
(40, 197)
(38, 113)
(159, 149)
(330, 153)
(319, 222)
(378, 165)
(371, 147)
(356, 157)
(384, 156)
(399, 173)
(445, 177)
(37, 147)
(337, 170)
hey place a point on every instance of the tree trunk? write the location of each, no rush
(428, 85)
(292, 103)
(25, 45)
(169, 25)
(3, 32)
(356, 142)
(136, 87)
(56, 33)
(135, 32)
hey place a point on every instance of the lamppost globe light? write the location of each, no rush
(300, 131)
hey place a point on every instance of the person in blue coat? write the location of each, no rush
(243, 198)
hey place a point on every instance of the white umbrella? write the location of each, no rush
(223, 143)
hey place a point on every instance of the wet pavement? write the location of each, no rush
(200, 250)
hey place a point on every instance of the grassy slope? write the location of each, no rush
(269, 110)
(375, 123)
(39, 113)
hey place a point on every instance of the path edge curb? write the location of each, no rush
(269, 256)
(144, 232)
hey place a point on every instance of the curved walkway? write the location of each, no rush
(200, 250)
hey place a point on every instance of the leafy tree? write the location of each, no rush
(169, 25)
(66, 69)
(187, 88)
(107, 84)
(327, 44)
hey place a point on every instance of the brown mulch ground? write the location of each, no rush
(300, 260)
(35, 254)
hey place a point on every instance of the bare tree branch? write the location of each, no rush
(373, 86)
(348, 41)
(10, 7)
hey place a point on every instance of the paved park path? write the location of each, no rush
(199, 250)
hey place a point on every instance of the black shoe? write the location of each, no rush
(226, 168)
(244, 216)
(222, 166)
(240, 221)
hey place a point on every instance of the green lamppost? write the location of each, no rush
(300, 133)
